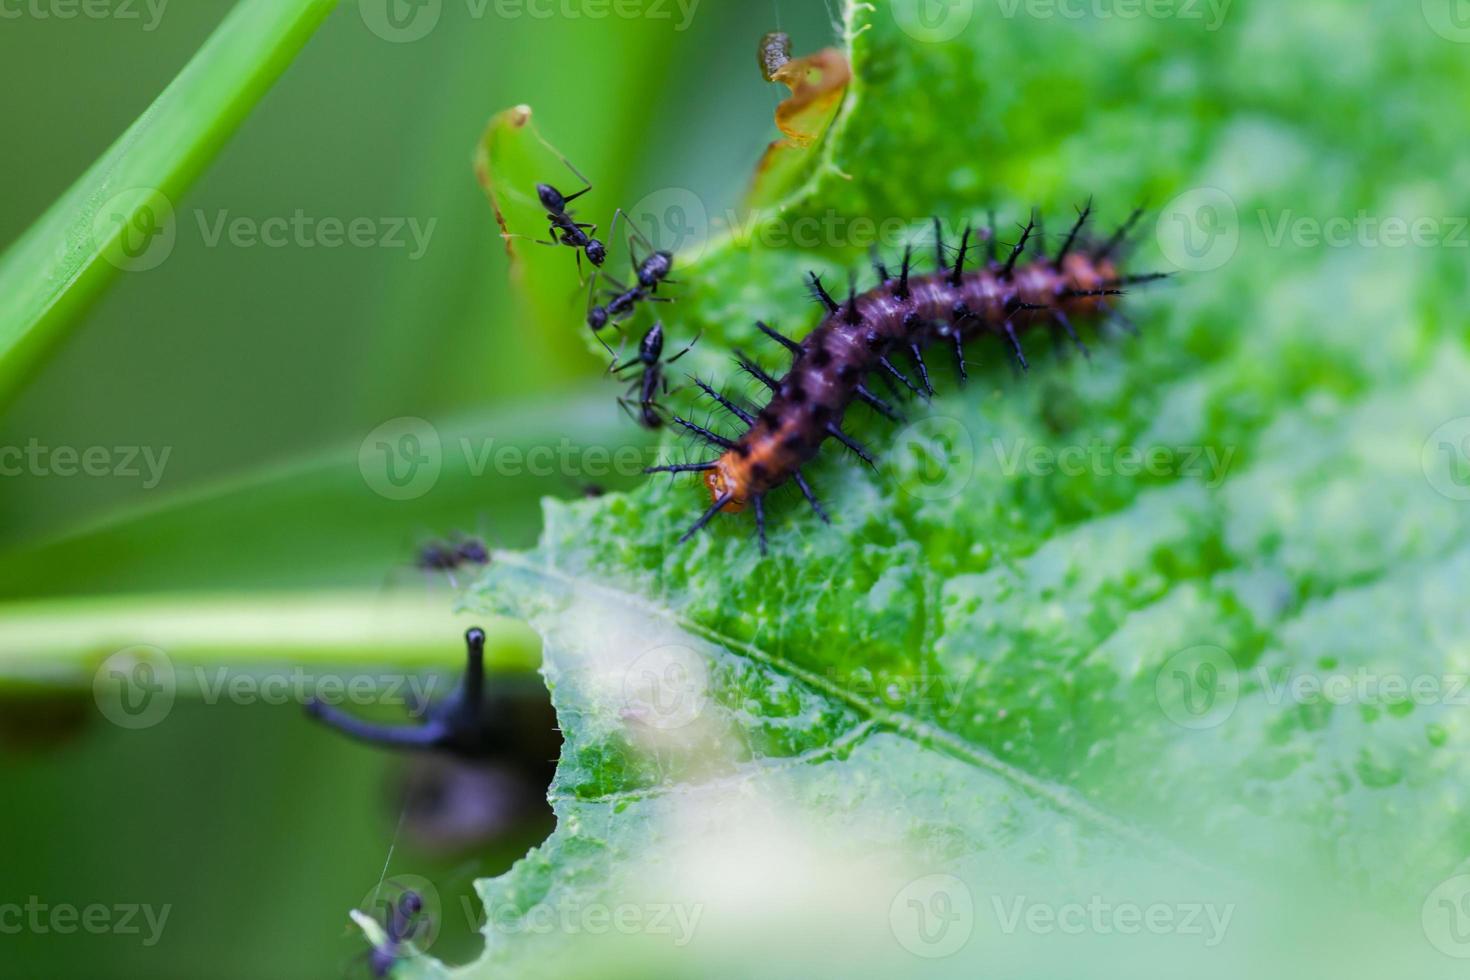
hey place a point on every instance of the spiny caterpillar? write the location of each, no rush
(907, 312)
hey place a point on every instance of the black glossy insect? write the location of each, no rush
(448, 556)
(401, 927)
(563, 225)
(461, 725)
(644, 410)
(649, 272)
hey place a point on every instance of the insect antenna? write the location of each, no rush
(1082, 217)
(558, 154)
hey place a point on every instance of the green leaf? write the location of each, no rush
(1025, 675)
(119, 214)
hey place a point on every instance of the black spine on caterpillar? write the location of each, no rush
(862, 335)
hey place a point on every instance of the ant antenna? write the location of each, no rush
(636, 232)
(558, 154)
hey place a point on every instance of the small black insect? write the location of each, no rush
(402, 926)
(461, 725)
(649, 272)
(448, 556)
(652, 381)
(563, 225)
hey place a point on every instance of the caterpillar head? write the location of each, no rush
(729, 476)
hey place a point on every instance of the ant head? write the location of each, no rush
(597, 318)
(551, 198)
(412, 903)
(596, 252)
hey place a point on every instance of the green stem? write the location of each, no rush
(62, 642)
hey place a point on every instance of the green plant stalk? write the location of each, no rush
(51, 272)
(61, 642)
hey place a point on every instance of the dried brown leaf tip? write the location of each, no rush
(817, 82)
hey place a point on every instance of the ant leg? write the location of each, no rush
(626, 405)
(686, 349)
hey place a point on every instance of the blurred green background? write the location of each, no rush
(261, 370)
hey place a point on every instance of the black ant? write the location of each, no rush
(650, 271)
(401, 927)
(652, 380)
(449, 556)
(565, 229)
